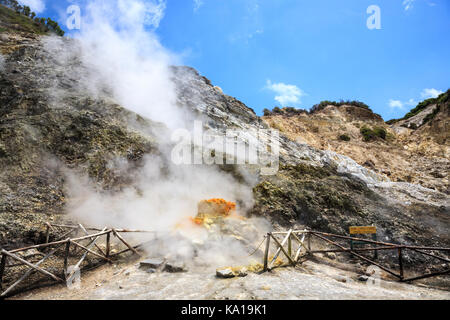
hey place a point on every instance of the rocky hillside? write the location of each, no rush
(404, 151)
(42, 137)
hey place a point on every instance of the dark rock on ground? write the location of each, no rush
(153, 263)
(150, 270)
(363, 278)
(226, 273)
(174, 267)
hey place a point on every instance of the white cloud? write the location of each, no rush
(425, 94)
(411, 102)
(197, 4)
(395, 104)
(286, 94)
(154, 12)
(251, 24)
(37, 6)
(431, 93)
(408, 4)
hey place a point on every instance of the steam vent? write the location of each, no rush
(213, 210)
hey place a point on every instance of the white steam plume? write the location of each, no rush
(124, 54)
(160, 198)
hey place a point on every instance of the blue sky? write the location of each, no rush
(298, 53)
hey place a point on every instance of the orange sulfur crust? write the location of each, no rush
(214, 209)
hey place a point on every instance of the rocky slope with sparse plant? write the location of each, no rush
(414, 150)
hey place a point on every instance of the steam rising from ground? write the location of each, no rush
(160, 198)
(164, 201)
(123, 56)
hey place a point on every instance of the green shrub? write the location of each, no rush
(289, 110)
(276, 110)
(286, 111)
(380, 132)
(322, 105)
(371, 134)
(390, 122)
(367, 133)
(413, 126)
(344, 137)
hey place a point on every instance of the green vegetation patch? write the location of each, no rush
(15, 16)
(344, 137)
(287, 111)
(322, 105)
(372, 134)
(290, 111)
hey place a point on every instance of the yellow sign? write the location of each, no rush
(363, 230)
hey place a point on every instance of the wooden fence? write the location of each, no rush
(293, 244)
(73, 247)
(297, 244)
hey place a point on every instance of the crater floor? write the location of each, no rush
(310, 281)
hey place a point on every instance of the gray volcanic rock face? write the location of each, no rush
(50, 121)
(198, 94)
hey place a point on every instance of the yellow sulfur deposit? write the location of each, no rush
(278, 261)
(209, 211)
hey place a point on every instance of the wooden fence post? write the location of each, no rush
(108, 244)
(302, 245)
(66, 258)
(280, 246)
(2, 269)
(309, 241)
(124, 242)
(400, 262)
(266, 252)
(77, 266)
(290, 246)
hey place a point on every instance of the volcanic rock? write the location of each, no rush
(225, 273)
(229, 272)
(174, 267)
(153, 263)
